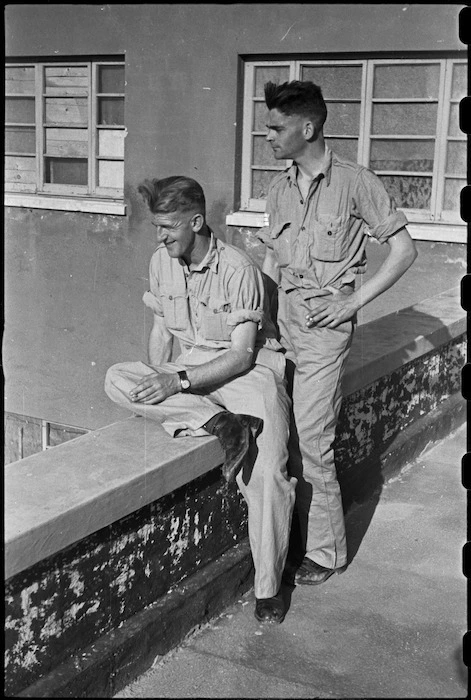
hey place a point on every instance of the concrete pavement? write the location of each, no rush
(390, 626)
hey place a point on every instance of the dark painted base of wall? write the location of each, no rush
(120, 656)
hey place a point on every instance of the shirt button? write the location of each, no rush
(215, 311)
(170, 297)
(303, 228)
(301, 276)
(329, 233)
(301, 201)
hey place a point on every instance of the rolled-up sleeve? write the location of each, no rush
(246, 296)
(376, 207)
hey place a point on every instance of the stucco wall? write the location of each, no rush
(74, 281)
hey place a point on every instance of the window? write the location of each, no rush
(398, 117)
(64, 129)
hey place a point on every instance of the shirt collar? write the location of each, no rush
(211, 259)
(326, 169)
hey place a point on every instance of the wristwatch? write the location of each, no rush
(184, 381)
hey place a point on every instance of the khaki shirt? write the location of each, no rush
(202, 306)
(320, 242)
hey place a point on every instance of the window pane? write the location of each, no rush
(458, 85)
(20, 140)
(346, 148)
(336, 82)
(110, 174)
(66, 80)
(262, 152)
(404, 119)
(342, 118)
(456, 158)
(66, 171)
(111, 142)
(277, 74)
(406, 81)
(409, 192)
(19, 80)
(454, 125)
(260, 181)
(402, 155)
(66, 142)
(260, 117)
(20, 169)
(110, 78)
(111, 111)
(66, 110)
(20, 110)
(452, 194)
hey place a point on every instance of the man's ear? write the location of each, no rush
(197, 222)
(309, 130)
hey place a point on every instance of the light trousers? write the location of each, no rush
(317, 358)
(268, 490)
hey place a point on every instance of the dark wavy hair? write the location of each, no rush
(297, 97)
(175, 193)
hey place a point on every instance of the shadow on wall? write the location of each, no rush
(370, 439)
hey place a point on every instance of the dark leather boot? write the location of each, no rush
(234, 432)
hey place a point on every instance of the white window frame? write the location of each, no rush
(421, 221)
(87, 198)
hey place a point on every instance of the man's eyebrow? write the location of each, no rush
(273, 128)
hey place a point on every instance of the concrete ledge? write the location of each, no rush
(386, 344)
(95, 480)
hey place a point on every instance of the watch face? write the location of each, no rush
(185, 383)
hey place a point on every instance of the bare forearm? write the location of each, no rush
(159, 345)
(221, 369)
(400, 258)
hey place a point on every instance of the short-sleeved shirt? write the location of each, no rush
(320, 240)
(202, 306)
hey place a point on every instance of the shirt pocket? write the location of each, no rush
(330, 238)
(214, 314)
(175, 308)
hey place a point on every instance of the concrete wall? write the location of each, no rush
(74, 280)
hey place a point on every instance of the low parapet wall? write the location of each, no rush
(119, 542)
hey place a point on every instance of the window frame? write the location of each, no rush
(91, 197)
(436, 214)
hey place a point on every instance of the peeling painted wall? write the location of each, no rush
(68, 601)
(371, 418)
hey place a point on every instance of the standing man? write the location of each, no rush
(319, 212)
(229, 379)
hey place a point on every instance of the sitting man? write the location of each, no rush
(228, 380)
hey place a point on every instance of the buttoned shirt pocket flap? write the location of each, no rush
(330, 238)
(215, 312)
(175, 308)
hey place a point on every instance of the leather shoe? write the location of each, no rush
(234, 432)
(270, 609)
(312, 574)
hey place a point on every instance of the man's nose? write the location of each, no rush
(269, 136)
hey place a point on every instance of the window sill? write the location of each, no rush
(448, 233)
(86, 204)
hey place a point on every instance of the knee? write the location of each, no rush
(113, 379)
